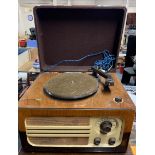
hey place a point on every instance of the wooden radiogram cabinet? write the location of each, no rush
(99, 123)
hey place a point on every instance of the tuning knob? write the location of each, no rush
(105, 127)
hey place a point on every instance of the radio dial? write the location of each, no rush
(105, 127)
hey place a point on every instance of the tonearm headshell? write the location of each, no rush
(108, 78)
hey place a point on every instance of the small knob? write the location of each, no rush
(112, 141)
(105, 127)
(97, 140)
(118, 99)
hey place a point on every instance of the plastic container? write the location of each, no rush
(22, 43)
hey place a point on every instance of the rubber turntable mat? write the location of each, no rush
(71, 86)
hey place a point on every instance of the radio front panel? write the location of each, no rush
(74, 131)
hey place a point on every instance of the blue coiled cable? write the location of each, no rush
(106, 63)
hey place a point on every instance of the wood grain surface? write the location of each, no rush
(59, 140)
(57, 121)
(36, 98)
(35, 103)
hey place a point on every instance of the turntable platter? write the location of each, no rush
(71, 86)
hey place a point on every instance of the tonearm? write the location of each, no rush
(108, 78)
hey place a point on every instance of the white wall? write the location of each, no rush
(99, 2)
(82, 2)
(131, 6)
(111, 2)
(23, 23)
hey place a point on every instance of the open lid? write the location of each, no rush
(69, 33)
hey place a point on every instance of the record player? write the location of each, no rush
(74, 106)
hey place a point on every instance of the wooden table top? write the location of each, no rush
(27, 67)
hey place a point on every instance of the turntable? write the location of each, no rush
(75, 105)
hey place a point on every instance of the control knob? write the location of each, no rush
(97, 140)
(112, 141)
(105, 127)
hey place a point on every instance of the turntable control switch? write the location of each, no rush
(118, 99)
(97, 140)
(105, 127)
